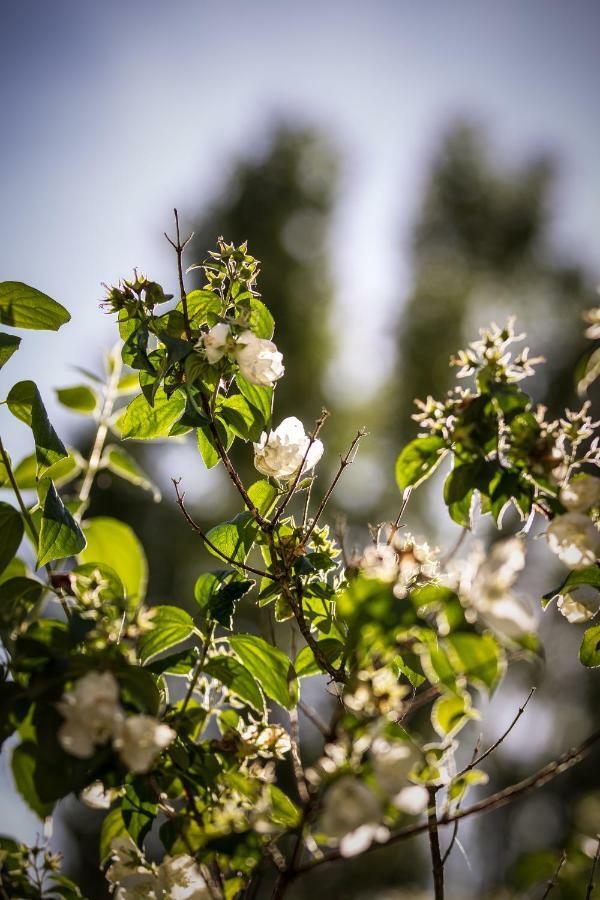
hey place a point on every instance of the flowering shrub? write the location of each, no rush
(90, 671)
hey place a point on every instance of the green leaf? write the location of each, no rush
(590, 575)
(477, 656)
(283, 810)
(305, 663)
(459, 489)
(139, 686)
(114, 544)
(63, 471)
(241, 417)
(217, 593)
(19, 596)
(9, 344)
(24, 765)
(261, 398)
(121, 463)
(170, 626)
(11, 533)
(261, 320)
(450, 713)
(269, 666)
(80, 398)
(237, 679)
(145, 423)
(25, 403)
(418, 460)
(60, 535)
(589, 653)
(113, 827)
(209, 453)
(25, 307)
(235, 538)
(263, 495)
(199, 305)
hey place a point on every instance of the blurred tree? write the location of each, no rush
(281, 201)
(482, 248)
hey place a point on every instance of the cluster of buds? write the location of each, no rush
(404, 562)
(138, 296)
(490, 358)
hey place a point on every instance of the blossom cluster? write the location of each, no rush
(258, 359)
(93, 716)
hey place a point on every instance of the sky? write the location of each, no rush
(115, 112)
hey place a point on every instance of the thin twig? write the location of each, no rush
(296, 759)
(554, 880)
(479, 759)
(590, 887)
(311, 439)
(437, 864)
(194, 525)
(179, 248)
(396, 523)
(313, 716)
(344, 462)
(198, 669)
(454, 836)
(495, 801)
(99, 441)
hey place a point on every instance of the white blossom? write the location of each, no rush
(96, 796)
(91, 711)
(129, 872)
(351, 815)
(581, 493)
(139, 741)
(573, 610)
(412, 799)
(392, 764)
(215, 342)
(280, 453)
(380, 561)
(575, 540)
(179, 878)
(259, 360)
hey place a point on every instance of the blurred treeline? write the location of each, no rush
(482, 248)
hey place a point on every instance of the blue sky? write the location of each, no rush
(114, 112)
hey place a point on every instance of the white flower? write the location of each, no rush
(351, 815)
(412, 800)
(140, 739)
(280, 453)
(380, 561)
(573, 610)
(215, 342)
(91, 711)
(179, 878)
(259, 360)
(130, 873)
(575, 540)
(96, 796)
(392, 764)
(268, 739)
(581, 493)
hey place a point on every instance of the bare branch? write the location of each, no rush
(554, 880)
(479, 759)
(313, 716)
(344, 462)
(437, 864)
(396, 524)
(195, 527)
(494, 801)
(590, 887)
(179, 248)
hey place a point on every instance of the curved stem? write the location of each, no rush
(96, 454)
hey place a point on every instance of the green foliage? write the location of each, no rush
(25, 307)
(92, 688)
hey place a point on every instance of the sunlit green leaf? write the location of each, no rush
(60, 535)
(114, 544)
(25, 403)
(418, 460)
(170, 626)
(79, 398)
(25, 307)
(9, 344)
(145, 423)
(237, 679)
(269, 666)
(11, 533)
(121, 463)
(589, 653)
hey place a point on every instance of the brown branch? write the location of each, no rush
(195, 527)
(590, 887)
(554, 880)
(344, 462)
(179, 248)
(311, 439)
(437, 866)
(296, 759)
(479, 759)
(338, 674)
(237, 481)
(396, 523)
(494, 801)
